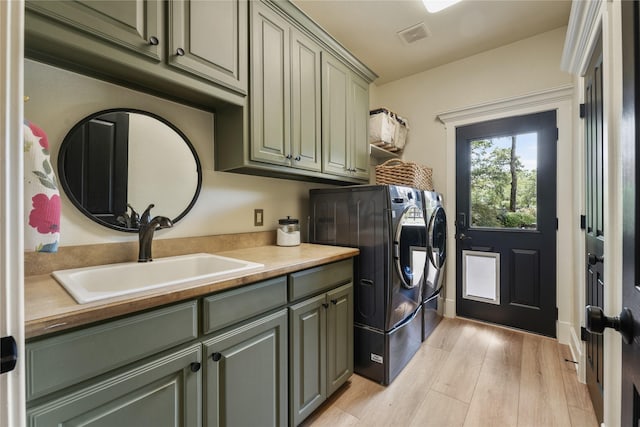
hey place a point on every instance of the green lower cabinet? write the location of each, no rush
(339, 337)
(308, 356)
(321, 349)
(164, 391)
(246, 374)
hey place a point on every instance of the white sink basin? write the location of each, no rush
(106, 281)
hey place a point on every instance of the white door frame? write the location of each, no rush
(587, 20)
(561, 100)
(12, 384)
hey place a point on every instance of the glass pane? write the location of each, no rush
(504, 182)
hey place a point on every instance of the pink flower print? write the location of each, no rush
(45, 215)
(44, 142)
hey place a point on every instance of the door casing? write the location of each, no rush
(561, 100)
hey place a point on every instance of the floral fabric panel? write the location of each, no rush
(41, 194)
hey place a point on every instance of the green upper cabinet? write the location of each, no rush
(359, 131)
(209, 40)
(306, 143)
(295, 101)
(133, 25)
(194, 51)
(270, 86)
(345, 125)
(285, 92)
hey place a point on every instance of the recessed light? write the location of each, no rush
(434, 6)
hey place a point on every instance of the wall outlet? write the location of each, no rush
(258, 217)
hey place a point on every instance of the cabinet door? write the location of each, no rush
(335, 91)
(308, 356)
(305, 102)
(209, 39)
(127, 24)
(359, 132)
(270, 86)
(246, 374)
(162, 392)
(339, 337)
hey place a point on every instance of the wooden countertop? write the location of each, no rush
(49, 308)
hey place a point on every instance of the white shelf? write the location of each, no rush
(381, 154)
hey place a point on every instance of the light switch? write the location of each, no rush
(258, 220)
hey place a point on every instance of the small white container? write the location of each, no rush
(288, 232)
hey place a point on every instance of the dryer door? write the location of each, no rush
(436, 252)
(411, 248)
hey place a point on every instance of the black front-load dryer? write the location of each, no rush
(387, 224)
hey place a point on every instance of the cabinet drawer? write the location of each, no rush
(319, 279)
(227, 308)
(60, 361)
(163, 391)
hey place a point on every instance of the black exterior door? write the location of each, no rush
(594, 232)
(506, 222)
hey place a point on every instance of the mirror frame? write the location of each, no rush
(62, 154)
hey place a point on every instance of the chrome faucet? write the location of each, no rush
(146, 230)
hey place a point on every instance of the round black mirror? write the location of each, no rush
(115, 163)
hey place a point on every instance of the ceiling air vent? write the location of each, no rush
(414, 33)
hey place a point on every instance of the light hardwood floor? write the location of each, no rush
(469, 374)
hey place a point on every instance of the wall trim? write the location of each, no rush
(505, 105)
(561, 100)
(583, 21)
(12, 384)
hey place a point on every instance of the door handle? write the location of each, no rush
(8, 354)
(597, 322)
(463, 237)
(593, 259)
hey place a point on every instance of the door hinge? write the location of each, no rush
(8, 354)
(584, 334)
(557, 134)
(557, 223)
(556, 313)
(583, 111)
(583, 222)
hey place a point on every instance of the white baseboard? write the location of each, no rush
(564, 332)
(450, 308)
(577, 352)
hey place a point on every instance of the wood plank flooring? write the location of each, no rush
(469, 374)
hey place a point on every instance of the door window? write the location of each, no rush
(504, 181)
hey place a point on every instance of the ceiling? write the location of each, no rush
(368, 28)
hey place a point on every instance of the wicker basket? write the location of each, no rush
(399, 172)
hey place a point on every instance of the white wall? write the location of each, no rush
(528, 66)
(59, 99)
